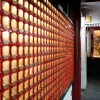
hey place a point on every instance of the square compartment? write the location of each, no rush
(20, 13)
(26, 73)
(14, 10)
(14, 37)
(5, 37)
(26, 39)
(20, 89)
(31, 39)
(20, 26)
(26, 62)
(6, 67)
(14, 92)
(14, 65)
(6, 81)
(14, 24)
(14, 51)
(20, 50)
(6, 95)
(26, 85)
(31, 8)
(20, 63)
(26, 4)
(20, 38)
(5, 51)
(26, 51)
(6, 22)
(31, 50)
(26, 15)
(5, 6)
(31, 29)
(20, 76)
(14, 78)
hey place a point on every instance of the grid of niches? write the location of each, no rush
(36, 51)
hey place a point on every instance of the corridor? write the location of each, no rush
(93, 89)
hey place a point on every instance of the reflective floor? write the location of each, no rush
(93, 89)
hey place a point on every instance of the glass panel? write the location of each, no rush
(5, 37)
(20, 50)
(14, 78)
(20, 13)
(14, 51)
(31, 7)
(14, 64)
(20, 75)
(26, 4)
(20, 25)
(14, 10)
(20, 38)
(6, 66)
(13, 23)
(14, 37)
(5, 6)
(5, 51)
(26, 16)
(6, 95)
(6, 22)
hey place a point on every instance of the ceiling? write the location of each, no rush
(87, 7)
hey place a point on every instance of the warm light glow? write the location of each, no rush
(20, 50)
(26, 61)
(20, 88)
(31, 60)
(35, 50)
(26, 50)
(31, 29)
(14, 77)
(20, 2)
(5, 21)
(20, 26)
(31, 7)
(26, 15)
(88, 19)
(39, 3)
(6, 95)
(5, 6)
(20, 38)
(31, 18)
(14, 37)
(35, 10)
(26, 27)
(14, 64)
(5, 36)
(26, 94)
(39, 12)
(14, 50)
(5, 65)
(31, 39)
(31, 50)
(20, 63)
(5, 50)
(26, 4)
(26, 73)
(20, 75)
(6, 80)
(14, 91)
(20, 13)
(13, 23)
(35, 20)
(35, 30)
(21, 97)
(26, 38)
(35, 1)
(14, 10)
